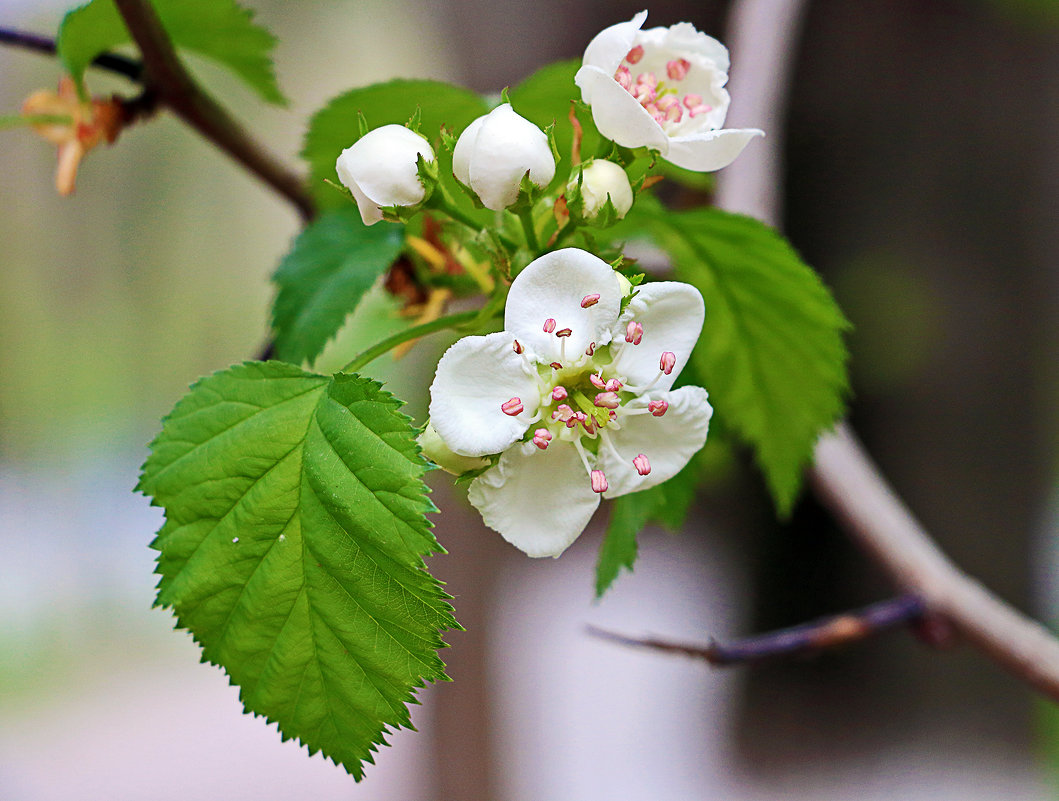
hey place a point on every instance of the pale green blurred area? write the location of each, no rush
(156, 270)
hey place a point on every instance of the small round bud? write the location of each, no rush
(381, 171)
(599, 180)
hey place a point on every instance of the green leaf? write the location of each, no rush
(335, 127)
(665, 503)
(544, 98)
(771, 352)
(293, 550)
(220, 30)
(332, 264)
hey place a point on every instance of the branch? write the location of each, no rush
(844, 476)
(130, 68)
(808, 637)
(167, 78)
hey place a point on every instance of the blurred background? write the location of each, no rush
(922, 181)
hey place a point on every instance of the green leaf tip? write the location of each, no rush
(293, 550)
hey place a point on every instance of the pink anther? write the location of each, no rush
(678, 70)
(642, 465)
(518, 347)
(549, 325)
(667, 362)
(657, 407)
(589, 424)
(599, 481)
(591, 349)
(597, 381)
(633, 332)
(563, 412)
(541, 438)
(589, 300)
(563, 332)
(578, 417)
(613, 385)
(559, 393)
(624, 77)
(556, 366)
(607, 400)
(634, 55)
(512, 407)
(695, 106)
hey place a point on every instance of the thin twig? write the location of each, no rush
(165, 75)
(130, 68)
(826, 632)
(844, 476)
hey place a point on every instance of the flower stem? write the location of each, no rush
(564, 234)
(415, 332)
(443, 202)
(525, 216)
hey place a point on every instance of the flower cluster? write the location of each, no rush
(575, 395)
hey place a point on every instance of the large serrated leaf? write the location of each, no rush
(220, 30)
(771, 352)
(335, 127)
(293, 550)
(332, 264)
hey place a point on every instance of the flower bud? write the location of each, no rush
(435, 449)
(599, 180)
(494, 153)
(381, 170)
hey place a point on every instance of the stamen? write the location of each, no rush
(541, 438)
(589, 300)
(634, 55)
(591, 349)
(624, 77)
(667, 362)
(678, 70)
(599, 481)
(565, 332)
(518, 347)
(694, 105)
(578, 417)
(563, 412)
(613, 385)
(597, 381)
(633, 332)
(559, 393)
(549, 325)
(512, 407)
(589, 424)
(556, 366)
(607, 400)
(642, 465)
(657, 407)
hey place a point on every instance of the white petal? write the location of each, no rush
(710, 150)
(474, 377)
(671, 314)
(461, 154)
(383, 165)
(610, 45)
(683, 38)
(552, 287)
(668, 441)
(506, 147)
(370, 213)
(539, 501)
(617, 114)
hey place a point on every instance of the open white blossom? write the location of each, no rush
(380, 169)
(575, 395)
(662, 88)
(496, 151)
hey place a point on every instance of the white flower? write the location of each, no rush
(380, 170)
(599, 180)
(662, 88)
(496, 151)
(574, 395)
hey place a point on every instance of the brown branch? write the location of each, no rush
(844, 476)
(824, 633)
(169, 80)
(111, 62)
